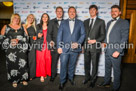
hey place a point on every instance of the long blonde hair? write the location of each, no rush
(33, 24)
(13, 15)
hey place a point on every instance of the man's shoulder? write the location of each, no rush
(87, 20)
(100, 20)
(52, 20)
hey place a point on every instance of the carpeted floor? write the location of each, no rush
(128, 81)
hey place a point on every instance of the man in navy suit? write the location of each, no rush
(71, 35)
(117, 35)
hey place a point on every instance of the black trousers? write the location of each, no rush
(55, 57)
(88, 57)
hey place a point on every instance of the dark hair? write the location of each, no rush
(41, 22)
(93, 6)
(59, 7)
(115, 6)
(71, 7)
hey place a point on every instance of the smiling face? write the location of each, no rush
(72, 13)
(93, 12)
(45, 18)
(16, 19)
(115, 12)
(59, 13)
(30, 19)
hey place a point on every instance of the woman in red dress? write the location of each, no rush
(43, 55)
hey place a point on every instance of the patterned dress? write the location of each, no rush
(15, 55)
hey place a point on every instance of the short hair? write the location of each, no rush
(59, 7)
(71, 7)
(116, 6)
(93, 6)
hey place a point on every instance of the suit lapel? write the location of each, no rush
(113, 28)
(68, 26)
(56, 23)
(94, 26)
(87, 23)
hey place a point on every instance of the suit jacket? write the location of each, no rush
(97, 32)
(118, 36)
(65, 37)
(52, 31)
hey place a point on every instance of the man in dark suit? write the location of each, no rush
(116, 35)
(52, 40)
(71, 35)
(95, 34)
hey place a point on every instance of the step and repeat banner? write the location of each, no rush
(38, 7)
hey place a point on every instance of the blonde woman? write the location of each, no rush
(14, 40)
(31, 29)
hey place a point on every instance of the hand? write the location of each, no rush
(14, 42)
(74, 45)
(59, 50)
(115, 54)
(52, 43)
(40, 35)
(91, 41)
(104, 45)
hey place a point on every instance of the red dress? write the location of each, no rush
(43, 59)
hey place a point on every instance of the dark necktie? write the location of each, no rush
(90, 27)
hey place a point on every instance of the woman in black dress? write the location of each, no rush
(14, 42)
(31, 29)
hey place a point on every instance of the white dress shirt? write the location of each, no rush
(71, 25)
(94, 19)
(59, 22)
(110, 28)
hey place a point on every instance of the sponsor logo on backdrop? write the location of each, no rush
(27, 7)
(84, 12)
(53, 2)
(74, 2)
(39, 3)
(101, 3)
(35, 7)
(93, 2)
(23, 12)
(17, 12)
(47, 3)
(32, 11)
(66, 2)
(15, 7)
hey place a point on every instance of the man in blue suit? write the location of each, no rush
(71, 35)
(116, 36)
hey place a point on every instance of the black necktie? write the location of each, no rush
(90, 27)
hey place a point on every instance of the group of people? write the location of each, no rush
(64, 39)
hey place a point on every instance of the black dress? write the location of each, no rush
(32, 52)
(16, 56)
